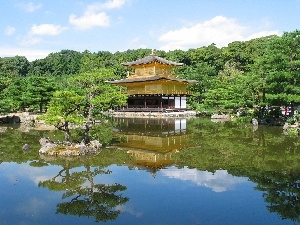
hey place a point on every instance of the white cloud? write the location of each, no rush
(219, 30)
(29, 6)
(95, 15)
(135, 44)
(89, 20)
(109, 4)
(29, 53)
(10, 30)
(46, 29)
(219, 181)
(29, 40)
(36, 32)
(262, 34)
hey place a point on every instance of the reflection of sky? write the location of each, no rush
(173, 196)
(35, 174)
(23, 202)
(218, 181)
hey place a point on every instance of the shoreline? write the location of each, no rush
(182, 114)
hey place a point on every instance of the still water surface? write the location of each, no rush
(158, 171)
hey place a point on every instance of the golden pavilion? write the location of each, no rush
(153, 87)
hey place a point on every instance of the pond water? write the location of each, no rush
(158, 171)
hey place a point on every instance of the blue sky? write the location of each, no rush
(38, 27)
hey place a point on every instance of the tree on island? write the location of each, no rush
(64, 108)
(89, 95)
(98, 94)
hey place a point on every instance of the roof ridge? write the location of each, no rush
(152, 58)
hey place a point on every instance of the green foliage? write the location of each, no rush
(14, 67)
(31, 92)
(279, 70)
(38, 91)
(228, 90)
(258, 72)
(79, 105)
(291, 120)
(63, 63)
(98, 95)
(102, 132)
(93, 85)
(64, 108)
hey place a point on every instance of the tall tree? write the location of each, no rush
(38, 91)
(63, 63)
(228, 90)
(278, 69)
(31, 92)
(64, 108)
(99, 95)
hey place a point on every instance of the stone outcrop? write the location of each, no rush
(10, 119)
(68, 149)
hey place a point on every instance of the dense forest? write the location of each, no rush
(259, 72)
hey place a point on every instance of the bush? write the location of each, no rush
(291, 120)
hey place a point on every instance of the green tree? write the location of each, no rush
(11, 70)
(98, 94)
(277, 70)
(228, 90)
(38, 91)
(64, 108)
(14, 66)
(211, 55)
(63, 63)
(32, 92)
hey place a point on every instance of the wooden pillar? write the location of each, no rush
(180, 101)
(161, 102)
(145, 104)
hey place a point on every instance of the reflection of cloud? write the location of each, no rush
(129, 210)
(35, 174)
(33, 207)
(219, 181)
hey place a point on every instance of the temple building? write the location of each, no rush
(153, 87)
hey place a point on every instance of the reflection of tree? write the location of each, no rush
(12, 140)
(84, 197)
(282, 192)
(259, 155)
(99, 202)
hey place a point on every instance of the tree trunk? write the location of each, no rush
(86, 139)
(67, 132)
(41, 107)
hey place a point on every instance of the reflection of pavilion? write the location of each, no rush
(152, 141)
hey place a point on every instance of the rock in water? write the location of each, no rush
(26, 147)
(254, 122)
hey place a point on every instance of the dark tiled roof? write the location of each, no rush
(150, 59)
(153, 78)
